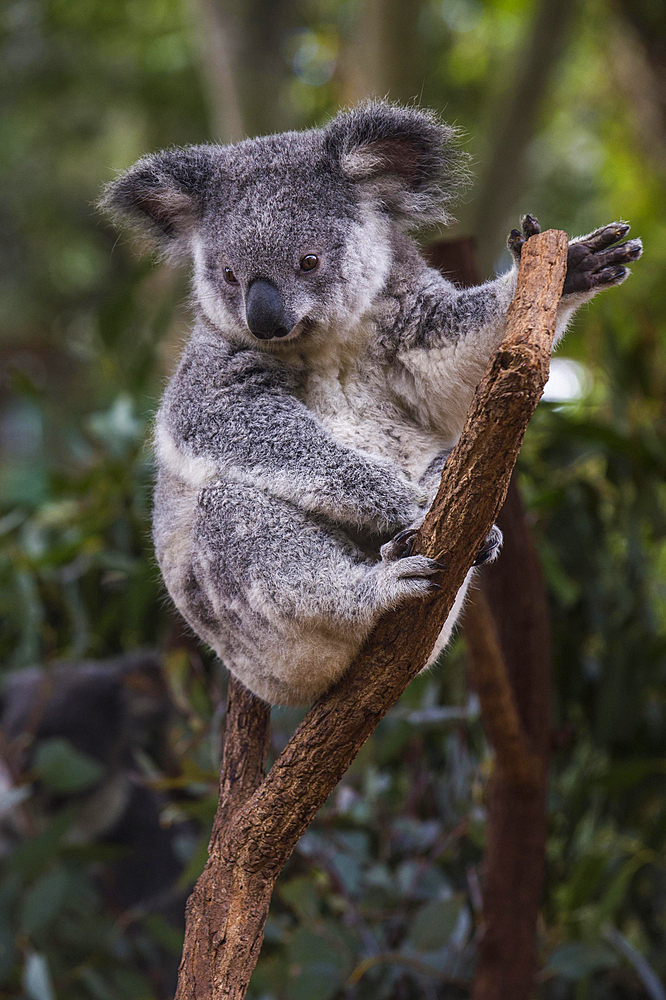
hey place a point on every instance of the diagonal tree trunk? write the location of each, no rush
(508, 637)
(228, 907)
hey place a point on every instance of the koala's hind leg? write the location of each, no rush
(400, 546)
(288, 597)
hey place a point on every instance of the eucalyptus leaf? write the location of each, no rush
(434, 923)
(319, 967)
(579, 959)
(34, 854)
(300, 896)
(63, 768)
(315, 981)
(43, 899)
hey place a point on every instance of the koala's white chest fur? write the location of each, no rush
(353, 396)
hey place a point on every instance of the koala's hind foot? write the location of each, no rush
(491, 547)
(594, 261)
(410, 576)
(400, 546)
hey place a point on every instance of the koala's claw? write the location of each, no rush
(604, 237)
(490, 549)
(399, 546)
(515, 242)
(623, 253)
(406, 539)
(594, 261)
(609, 275)
(419, 566)
(531, 226)
(517, 239)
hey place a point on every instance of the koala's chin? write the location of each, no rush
(328, 375)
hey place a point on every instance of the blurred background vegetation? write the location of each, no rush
(109, 763)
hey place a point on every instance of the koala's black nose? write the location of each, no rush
(265, 312)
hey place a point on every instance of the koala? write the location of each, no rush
(327, 377)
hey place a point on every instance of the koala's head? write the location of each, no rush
(290, 234)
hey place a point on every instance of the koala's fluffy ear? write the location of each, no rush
(405, 157)
(163, 195)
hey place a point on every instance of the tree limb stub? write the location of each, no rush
(242, 770)
(246, 742)
(228, 907)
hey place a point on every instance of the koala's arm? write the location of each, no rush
(443, 338)
(234, 416)
(447, 335)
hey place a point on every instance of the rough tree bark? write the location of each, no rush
(508, 637)
(228, 907)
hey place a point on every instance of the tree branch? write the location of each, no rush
(228, 907)
(246, 740)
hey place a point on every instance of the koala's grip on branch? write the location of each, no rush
(228, 907)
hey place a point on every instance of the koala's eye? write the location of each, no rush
(230, 277)
(309, 262)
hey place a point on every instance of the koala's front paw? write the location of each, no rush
(491, 547)
(404, 578)
(594, 262)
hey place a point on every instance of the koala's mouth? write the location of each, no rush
(303, 326)
(283, 336)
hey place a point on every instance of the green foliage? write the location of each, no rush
(63, 768)
(380, 897)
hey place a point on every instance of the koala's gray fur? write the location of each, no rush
(288, 460)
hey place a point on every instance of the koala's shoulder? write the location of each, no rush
(402, 294)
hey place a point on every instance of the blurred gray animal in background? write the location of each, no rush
(328, 376)
(114, 712)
